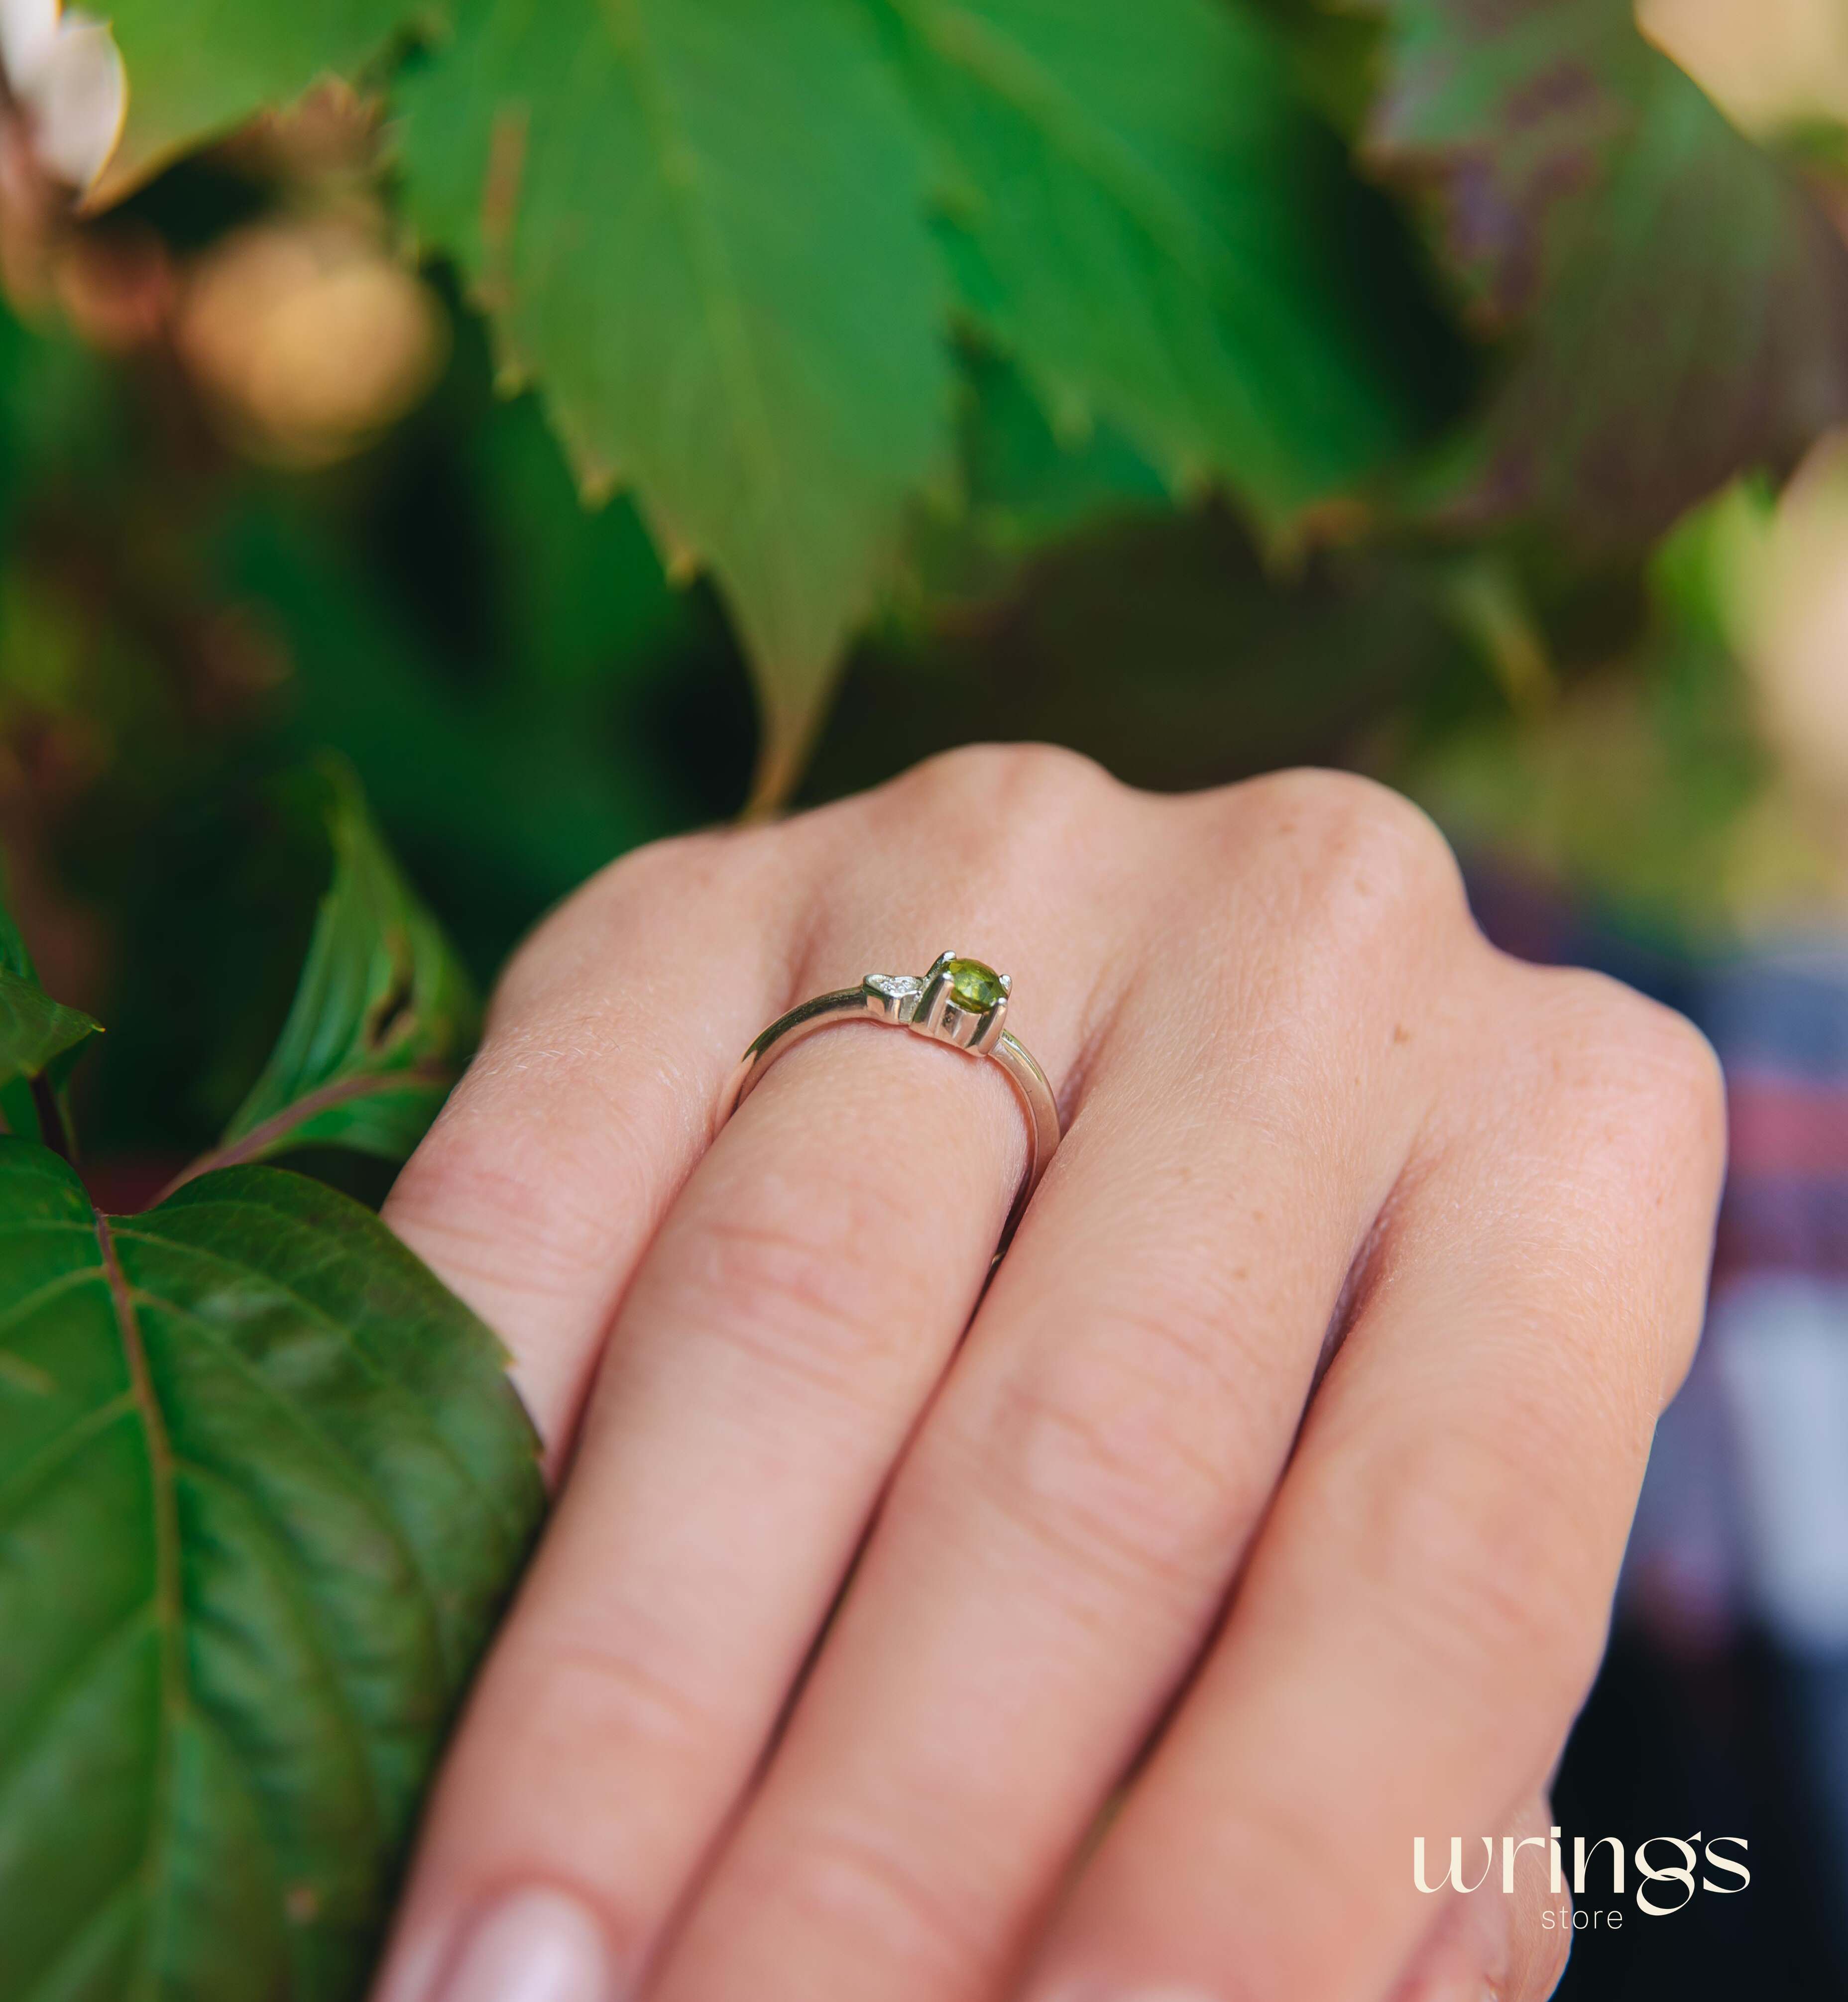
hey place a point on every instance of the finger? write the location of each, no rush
(1491, 1945)
(1538, 1933)
(1427, 1604)
(556, 1155)
(1053, 1552)
(770, 1356)
(766, 1365)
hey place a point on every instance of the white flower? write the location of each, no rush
(65, 72)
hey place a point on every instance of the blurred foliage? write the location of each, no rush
(1683, 300)
(1645, 776)
(1396, 382)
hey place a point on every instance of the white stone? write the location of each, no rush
(898, 986)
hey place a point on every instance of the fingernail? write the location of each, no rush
(1166, 1993)
(537, 1945)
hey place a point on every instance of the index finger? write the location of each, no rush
(541, 1184)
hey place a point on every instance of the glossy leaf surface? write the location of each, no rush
(263, 1489)
(383, 1018)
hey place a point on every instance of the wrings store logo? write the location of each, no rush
(1661, 1888)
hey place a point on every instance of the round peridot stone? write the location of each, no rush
(974, 986)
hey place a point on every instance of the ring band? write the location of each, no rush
(960, 1002)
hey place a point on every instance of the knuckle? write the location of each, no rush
(790, 1278)
(857, 1887)
(571, 946)
(1643, 1071)
(1675, 1065)
(1015, 772)
(1009, 792)
(1356, 816)
(1360, 858)
(1112, 1460)
(1601, 1117)
(583, 1691)
(1477, 1575)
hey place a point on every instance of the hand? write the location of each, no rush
(1275, 1494)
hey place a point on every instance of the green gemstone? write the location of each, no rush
(974, 986)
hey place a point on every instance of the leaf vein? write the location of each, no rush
(506, 1507)
(168, 1605)
(713, 275)
(29, 1304)
(999, 63)
(32, 1730)
(325, 1658)
(356, 1477)
(71, 1948)
(62, 1446)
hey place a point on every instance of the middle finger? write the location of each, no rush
(1054, 1551)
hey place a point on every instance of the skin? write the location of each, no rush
(1266, 1513)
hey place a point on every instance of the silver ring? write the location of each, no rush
(960, 1002)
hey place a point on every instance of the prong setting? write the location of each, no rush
(932, 1011)
(960, 1002)
(987, 1028)
(964, 1003)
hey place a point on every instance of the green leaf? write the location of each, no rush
(1681, 303)
(39, 1039)
(263, 1487)
(1142, 213)
(382, 1020)
(700, 226)
(1027, 485)
(196, 68)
